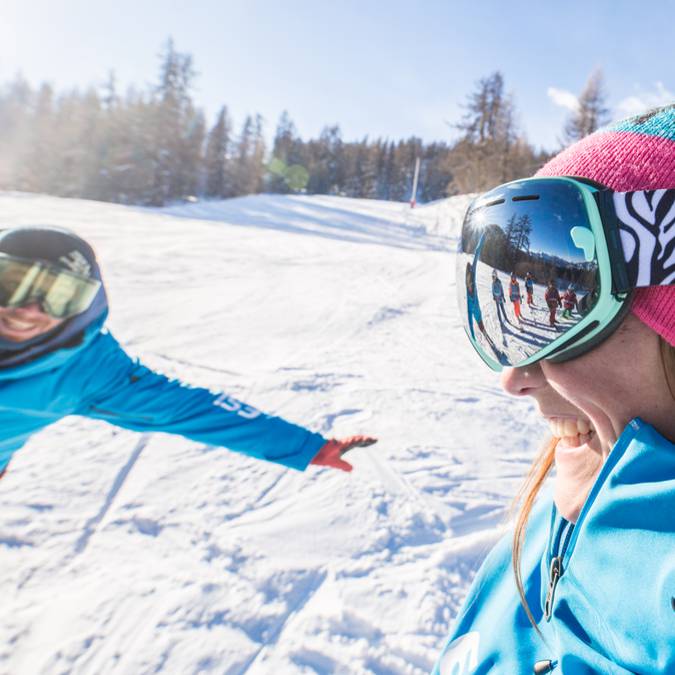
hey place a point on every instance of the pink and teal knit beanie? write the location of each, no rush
(637, 153)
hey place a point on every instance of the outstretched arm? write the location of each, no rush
(124, 392)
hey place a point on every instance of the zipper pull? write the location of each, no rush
(553, 576)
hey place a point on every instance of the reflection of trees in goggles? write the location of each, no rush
(61, 293)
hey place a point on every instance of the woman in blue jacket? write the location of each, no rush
(586, 583)
(57, 359)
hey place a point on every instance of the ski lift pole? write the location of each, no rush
(413, 196)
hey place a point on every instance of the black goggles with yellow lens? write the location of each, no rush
(546, 266)
(59, 292)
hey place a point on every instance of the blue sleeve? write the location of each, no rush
(474, 264)
(473, 307)
(123, 392)
(469, 308)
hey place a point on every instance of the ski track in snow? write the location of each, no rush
(92, 523)
(128, 553)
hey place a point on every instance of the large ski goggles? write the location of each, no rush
(60, 293)
(546, 266)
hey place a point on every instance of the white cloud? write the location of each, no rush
(644, 100)
(564, 99)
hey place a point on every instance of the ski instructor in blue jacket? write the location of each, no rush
(57, 359)
(585, 584)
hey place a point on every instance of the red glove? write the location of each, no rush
(331, 453)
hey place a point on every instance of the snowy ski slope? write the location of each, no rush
(123, 553)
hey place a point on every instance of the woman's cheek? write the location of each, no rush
(574, 382)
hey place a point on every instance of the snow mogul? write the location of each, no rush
(57, 359)
(586, 582)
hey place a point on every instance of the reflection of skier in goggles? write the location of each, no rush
(473, 304)
(498, 296)
(569, 301)
(604, 384)
(552, 297)
(515, 296)
(472, 300)
(529, 288)
(52, 309)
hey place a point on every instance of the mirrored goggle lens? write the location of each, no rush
(527, 270)
(60, 293)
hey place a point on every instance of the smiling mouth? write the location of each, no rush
(572, 431)
(17, 325)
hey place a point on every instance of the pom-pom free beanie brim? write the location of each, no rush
(635, 154)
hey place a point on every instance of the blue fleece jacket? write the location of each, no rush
(612, 609)
(96, 378)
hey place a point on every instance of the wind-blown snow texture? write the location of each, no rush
(123, 553)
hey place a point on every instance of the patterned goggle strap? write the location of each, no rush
(647, 228)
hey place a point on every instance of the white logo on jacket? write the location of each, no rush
(461, 655)
(232, 405)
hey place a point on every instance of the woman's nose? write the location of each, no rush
(523, 381)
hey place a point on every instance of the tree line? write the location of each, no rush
(153, 146)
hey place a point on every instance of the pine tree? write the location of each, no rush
(359, 170)
(249, 158)
(87, 146)
(489, 119)
(435, 172)
(191, 175)
(485, 155)
(110, 99)
(131, 165)
(216, 160)
(283, 154)
(257, 162)
(284, 139)
(591, 113)
(15, 130)
(389, 171)
(326, 162)
(173, 113)
(38, 171)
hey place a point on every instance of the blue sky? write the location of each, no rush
(390, 69)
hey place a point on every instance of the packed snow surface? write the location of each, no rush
(126, 553)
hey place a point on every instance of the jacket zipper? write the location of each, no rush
(555, 572)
